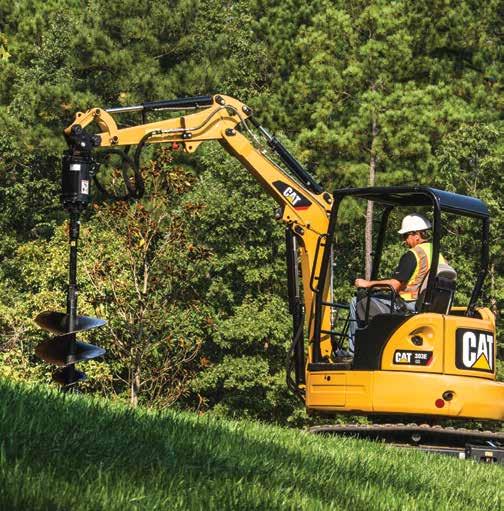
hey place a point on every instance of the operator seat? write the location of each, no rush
(442, 292)
(371, 338)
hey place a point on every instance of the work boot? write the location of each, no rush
(343, 356)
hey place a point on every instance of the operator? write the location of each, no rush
(407, 278)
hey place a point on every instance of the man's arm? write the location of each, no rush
(397, 285)
(402, 274)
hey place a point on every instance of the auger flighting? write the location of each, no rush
(64, 350)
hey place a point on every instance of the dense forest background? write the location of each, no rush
(192, 278)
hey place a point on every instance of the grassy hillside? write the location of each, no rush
(73, 452)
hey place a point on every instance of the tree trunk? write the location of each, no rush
(135, 373)
(136, 370)
(368, 240)
(135, 386)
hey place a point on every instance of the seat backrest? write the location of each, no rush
(442, 292)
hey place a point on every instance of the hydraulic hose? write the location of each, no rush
(291, 384)
(133, 192)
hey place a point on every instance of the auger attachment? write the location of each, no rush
(65, 350)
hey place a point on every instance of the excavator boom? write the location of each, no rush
(304, 206)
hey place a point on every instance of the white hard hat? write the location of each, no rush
(413, 223)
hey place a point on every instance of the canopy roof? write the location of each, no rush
(419, 196)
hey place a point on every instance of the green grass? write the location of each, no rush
(71, 452)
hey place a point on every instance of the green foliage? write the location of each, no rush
(192, 278)
(243, 280)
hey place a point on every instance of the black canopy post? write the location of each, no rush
(379, 242)
(485, 257)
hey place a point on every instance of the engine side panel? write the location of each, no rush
(416, 346)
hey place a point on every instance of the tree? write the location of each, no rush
(155, 321)
(371, 91)
(244, 282)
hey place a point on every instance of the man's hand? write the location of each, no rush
(361, 283)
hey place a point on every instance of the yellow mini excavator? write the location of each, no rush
(436, 362)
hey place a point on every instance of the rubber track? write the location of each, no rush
(413, 433)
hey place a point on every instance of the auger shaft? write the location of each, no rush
(72, 296)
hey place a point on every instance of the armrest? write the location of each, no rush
(378, 287)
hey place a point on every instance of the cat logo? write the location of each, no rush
(413, 358)
(296, 199)
(402, 358)
(291, 195)
(475, 350)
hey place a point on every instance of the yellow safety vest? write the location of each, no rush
(423, 256)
